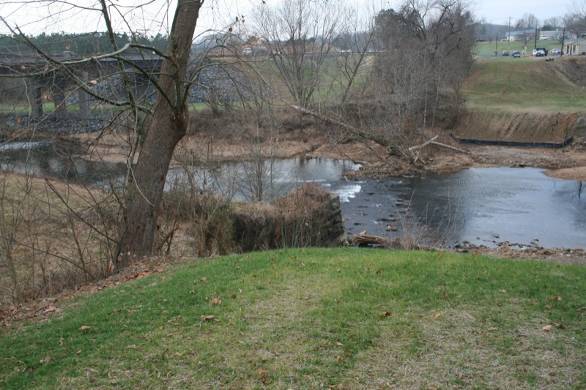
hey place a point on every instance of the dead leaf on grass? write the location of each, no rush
(85, 328)
(216, 301)
(208, 318)
(547, 328)
(263, 375)
(50, 309)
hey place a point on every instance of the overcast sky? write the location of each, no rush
(217, 14)
(498, 11)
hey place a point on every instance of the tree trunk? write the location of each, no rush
(168, 125)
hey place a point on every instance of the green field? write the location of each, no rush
(313, 319)
(21, 108)
(522, 85)
(49, 107)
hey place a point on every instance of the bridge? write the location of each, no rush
(58, 74)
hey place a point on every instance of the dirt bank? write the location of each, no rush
(516, 128)
(114, 147)
(492, 156)
(242, 145)
(574, 69)
(578, 173)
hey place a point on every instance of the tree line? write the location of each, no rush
(84, 44)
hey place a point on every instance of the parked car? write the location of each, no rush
(516, 54)
(506, 53)
(540, 52)
(556, 52)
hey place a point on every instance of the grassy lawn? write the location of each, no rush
(522, 85)
(310, 318)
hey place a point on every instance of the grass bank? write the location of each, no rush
(522, 85)
(310, 318)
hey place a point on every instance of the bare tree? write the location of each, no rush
(527, 22)
(300, 36)
(554, 23)
(356, 42)
(575, 20)
(168, 126)
(427, 54)
(159, 128)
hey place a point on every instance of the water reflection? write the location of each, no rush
(43, 159)
(481, 206)
(243, 180)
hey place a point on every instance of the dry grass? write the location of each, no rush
(50, 237)
(462, 350)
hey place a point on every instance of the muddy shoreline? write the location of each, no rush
(509, 251)
(565, 163)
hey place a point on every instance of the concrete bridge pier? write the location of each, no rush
(36, 100)
(141, 86)
(84, 98)
(59, 98)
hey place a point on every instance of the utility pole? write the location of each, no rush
(496, 42)
(563, 41)
(536, 33)
(508, 33)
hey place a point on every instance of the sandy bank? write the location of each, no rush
(577, 173)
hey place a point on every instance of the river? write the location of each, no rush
(481, 206)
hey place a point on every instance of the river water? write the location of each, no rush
(482, 206)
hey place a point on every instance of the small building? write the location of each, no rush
(519, 35)
(550, 35)
(255, 47)
(575, 47)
